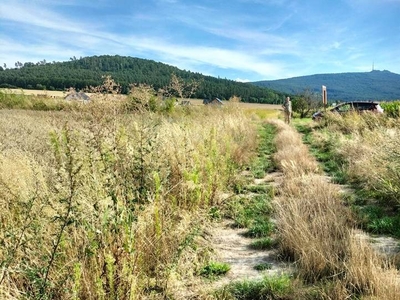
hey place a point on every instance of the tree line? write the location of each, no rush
(89, 71)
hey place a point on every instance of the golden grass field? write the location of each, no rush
(62, 94)
(98, 203)
(38, 92)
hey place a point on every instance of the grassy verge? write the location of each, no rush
(316, 230)
(333, 164)
(278, 287)
(361, 152)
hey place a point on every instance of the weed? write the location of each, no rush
(384, 225)
(214, 213)
(263, 267)
(252, 212)
(263, 244)
(267, 288)
(214, 269)
(266, 148)
(260, 228)
(257, 188)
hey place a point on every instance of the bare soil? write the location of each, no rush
(234, 248)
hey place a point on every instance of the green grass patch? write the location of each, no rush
(259, 189)
(325, 153)
(263, 163)
(261, 227)
(250, 211)
(214, 269)
(378, 220)
(263, 244)
(263, 267)
(268, 288)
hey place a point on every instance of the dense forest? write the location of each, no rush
(88, 71)
(374, 85)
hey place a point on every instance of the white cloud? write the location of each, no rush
(242, 80)
(199, 37)
(38, 16)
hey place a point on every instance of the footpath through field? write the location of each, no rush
(298, 174)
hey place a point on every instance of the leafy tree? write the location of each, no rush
(306, 103)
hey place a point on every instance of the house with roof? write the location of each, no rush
(77, 96)
(214, 101)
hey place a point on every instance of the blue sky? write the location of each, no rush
(245, 40)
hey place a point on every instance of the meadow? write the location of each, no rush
(99, 203)
(112, 199)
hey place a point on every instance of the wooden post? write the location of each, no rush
(324, 97)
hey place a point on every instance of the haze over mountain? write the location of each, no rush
(374, 85)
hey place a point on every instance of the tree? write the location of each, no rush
(88, 71)
(305, 103)
(18, 64)
(183, 88)
(28, 64)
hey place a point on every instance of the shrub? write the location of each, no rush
(392, 109)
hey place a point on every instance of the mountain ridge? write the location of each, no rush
(347, 86)
(125, 70)
(86, 71)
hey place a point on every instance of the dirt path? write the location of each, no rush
(232, 247)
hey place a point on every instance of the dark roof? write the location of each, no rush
(77, 96)
(213, 101)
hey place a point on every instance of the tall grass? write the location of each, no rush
(316, 230)
(371, 162)
(102, 204)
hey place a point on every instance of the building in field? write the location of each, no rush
(77, 96)
(214, 101)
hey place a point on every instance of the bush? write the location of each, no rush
(392, 109)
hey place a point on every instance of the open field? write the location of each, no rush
(99, 203)
(197, 102)
(37, 92)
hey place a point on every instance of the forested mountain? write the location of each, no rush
(374, 85)
(88, 71)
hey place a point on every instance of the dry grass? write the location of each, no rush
(98, 204)
(292, 156)
(368, 143)
(58, 94)
(316, 230)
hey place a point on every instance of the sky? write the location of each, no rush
(243, 40)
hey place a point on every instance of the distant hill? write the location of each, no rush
(374, 85)
(88, 71)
